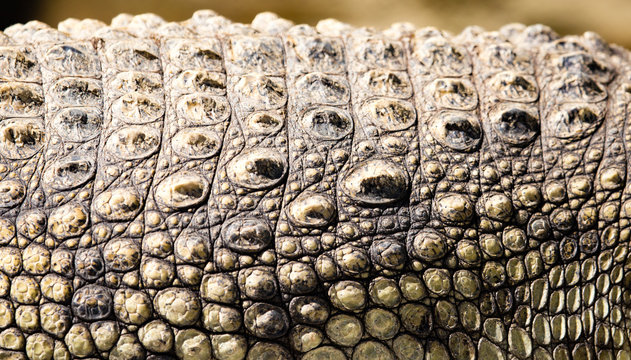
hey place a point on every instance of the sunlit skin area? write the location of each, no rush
(428, 182)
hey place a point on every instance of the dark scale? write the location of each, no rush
(216, 190)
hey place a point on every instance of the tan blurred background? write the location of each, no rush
(610, 18)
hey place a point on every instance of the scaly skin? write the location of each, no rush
(210, 190)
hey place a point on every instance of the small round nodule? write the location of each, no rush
(219, 288)
(528, 196)
(325, 352)
(88, 263)
(304, 338)
(438, 281)
(467, 284)
(122, 254)
(105, 334)
(180, 307)
(310, 310)
(407, 347)
(348, 295)
(56, 288)
(11, 263)
(247, 235)
(385, 292)
(372, 350)
(266, 321)
(7, 227)
(267, 350)
(297, 278)
(229, 346)
(258, 283)
(192, 344)
(352, 260)
(79, 341)
(69, 220)
(220, 318)
(454, 209)
(192, 248)
(92, 302)
(514, 239)
(345, 330)
(39, 346)
(390, 254)
(156, 336)
(612, 178)
(468, 252)
(132, 306)
(497, 207)
(416, 318)
(12, 192)
(118, 204)
(381, 324)
(25, 290)
(128, 348)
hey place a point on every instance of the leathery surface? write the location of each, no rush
(214, 190)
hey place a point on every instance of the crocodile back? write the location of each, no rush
(215, 190)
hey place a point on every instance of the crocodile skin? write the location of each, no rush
(213, 190)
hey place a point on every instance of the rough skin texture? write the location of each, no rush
(210, 190)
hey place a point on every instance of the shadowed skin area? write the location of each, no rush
(216, 190)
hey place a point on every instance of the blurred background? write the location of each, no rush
(610, 18)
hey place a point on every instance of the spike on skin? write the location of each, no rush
(209, 189)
